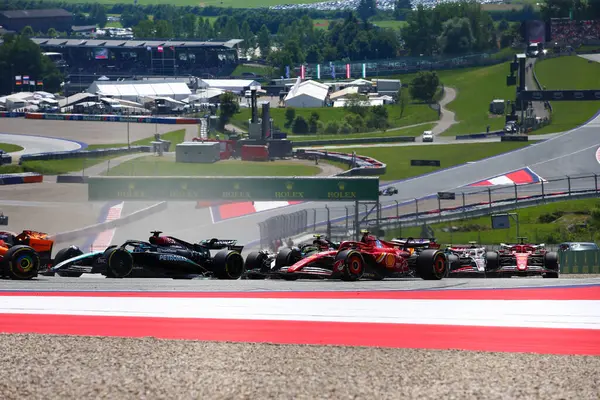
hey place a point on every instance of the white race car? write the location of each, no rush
(468, 260)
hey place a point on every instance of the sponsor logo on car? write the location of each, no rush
(171, 257)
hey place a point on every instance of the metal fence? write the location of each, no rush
(340, 222)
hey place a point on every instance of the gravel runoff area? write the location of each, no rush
(58, 367)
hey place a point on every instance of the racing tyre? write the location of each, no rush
(228, 264)
(551, 262)
(287, 257)
(65, 254)
(453, 263)
(432, 265)
(21, 263)
(353, 265)
(256, 261)
(119, 263)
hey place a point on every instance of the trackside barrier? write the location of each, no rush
(142, 119)
(515, 138)
(364, 166)
(5, 159)
(579, 262)
(325, 142)
(71, 179)
(61, 155)
(481, 135)
(101, 227)
(11, 114)
(17, 179)
(469, 202)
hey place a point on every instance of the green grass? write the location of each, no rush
(398, 158)
(547, 223)
(10, 148)
(476, 88)
(53, 167)
(240, 69)
(392, 24)
(175, 137)
(166, 166)
(570, 72)
(414, 131)
(413, 114)
(57, 167)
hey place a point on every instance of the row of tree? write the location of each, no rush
(20, 56)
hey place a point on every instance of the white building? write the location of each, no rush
(138, 90)
(238, 86)
(307, 94)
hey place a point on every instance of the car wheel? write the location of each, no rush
(21, 263)
(119, 263)
(432, 264)
(256, 260)
(353, 265)
(65, 254)
(287, 257)
(228, 264)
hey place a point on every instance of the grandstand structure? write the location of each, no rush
(565, 31)
(88, 59)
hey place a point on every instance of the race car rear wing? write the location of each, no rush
(219, 244)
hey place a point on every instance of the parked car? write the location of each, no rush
(577, 246)
(428, 136)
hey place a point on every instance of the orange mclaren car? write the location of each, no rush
(22, 255)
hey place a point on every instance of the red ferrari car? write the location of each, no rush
(372, 258)
(522, 259)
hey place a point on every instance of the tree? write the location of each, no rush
(228, 107)
(290, 114)
(402, 100)
(189, 25)
(299, 125)
(20, 56)
(27, 31)
(130, 18)
(313, 123)
(424, 86)
(378, 118)
(248, 38)
(52, 33)
(144, 30)
(456, 37)
(357, 104)
(163, 29)
(264, 42)
(98, 15)
(366, 9)
(401, 9)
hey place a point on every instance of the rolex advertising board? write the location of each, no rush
(234, 188)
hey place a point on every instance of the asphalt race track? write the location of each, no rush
(33, 144)
(570, 153)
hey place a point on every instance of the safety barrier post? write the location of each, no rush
(328, 222)
(490, 196)
(596, 182)
(346, 207)
(569, 183)
(516, 194)
(464, 206)
(397, 211)
(417, 208)
(543, 194)
(314, 219)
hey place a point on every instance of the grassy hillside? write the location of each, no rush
(571, 72)
(573, 220)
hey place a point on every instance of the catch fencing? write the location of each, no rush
(339, 222)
